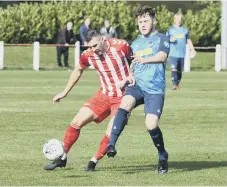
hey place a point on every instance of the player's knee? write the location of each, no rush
(78, 123)
(83, 117)
(179, 70)
(128, 103)
(151, 121)
(109, 127)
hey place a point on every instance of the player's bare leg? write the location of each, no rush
(102, 148)
(83, 117)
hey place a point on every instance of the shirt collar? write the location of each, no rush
(151, 34)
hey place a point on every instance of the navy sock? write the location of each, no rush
(157, 138)
(175, 78)
(179, 76)
(119, 123)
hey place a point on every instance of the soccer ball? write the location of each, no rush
(53, 149)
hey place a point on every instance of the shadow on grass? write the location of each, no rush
(182, 166)
(207, 68)
(75, 176)
(197, 165)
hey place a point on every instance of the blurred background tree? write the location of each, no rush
(25, 22)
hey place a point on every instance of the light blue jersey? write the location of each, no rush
(150, 77)
(178, 48)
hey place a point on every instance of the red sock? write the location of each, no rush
(71, 136)
(102, 147)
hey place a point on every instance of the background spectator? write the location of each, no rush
(64, 37)
(108, 31)
(84, 29)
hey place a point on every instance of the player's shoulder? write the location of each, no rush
(137, 40)
(171, 28)
(118, 44)
(117, 41)
(87, 53)
(162, 36)
(184, 28)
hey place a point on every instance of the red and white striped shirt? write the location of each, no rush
(112, 66)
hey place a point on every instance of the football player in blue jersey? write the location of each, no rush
(150, 51)
(179, 37)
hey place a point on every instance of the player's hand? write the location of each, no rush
(66, 44)
(138, 59)
(85, 43)
(172, 39)
(131, 81)
(58, 97)
(122, 84)
(192, 53)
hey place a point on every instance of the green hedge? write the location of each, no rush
(27, 22)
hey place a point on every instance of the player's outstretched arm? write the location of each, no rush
(74, 78)
(172, 39)
(130, 80)
(191, 46)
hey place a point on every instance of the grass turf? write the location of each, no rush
(193, 124)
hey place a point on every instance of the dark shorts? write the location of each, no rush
(153, 103)
(176, 63)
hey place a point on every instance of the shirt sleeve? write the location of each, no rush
(84, 61)
(73, 36)
(101, 32)
(164, 44)
(82, 34)
(187, 35)
(115, 33)
(128, 51)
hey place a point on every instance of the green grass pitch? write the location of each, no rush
(193, 123)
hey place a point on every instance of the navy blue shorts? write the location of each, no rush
(176, 63)
(153, 103)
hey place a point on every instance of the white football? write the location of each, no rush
(53, 149)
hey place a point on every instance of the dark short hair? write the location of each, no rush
(145, 10)
(91, 34)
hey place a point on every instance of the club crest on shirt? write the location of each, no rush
(166, 44)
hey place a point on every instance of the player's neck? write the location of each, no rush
(106, 46)
(178, 26)
(152, 32)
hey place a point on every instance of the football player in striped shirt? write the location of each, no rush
(110, 58)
